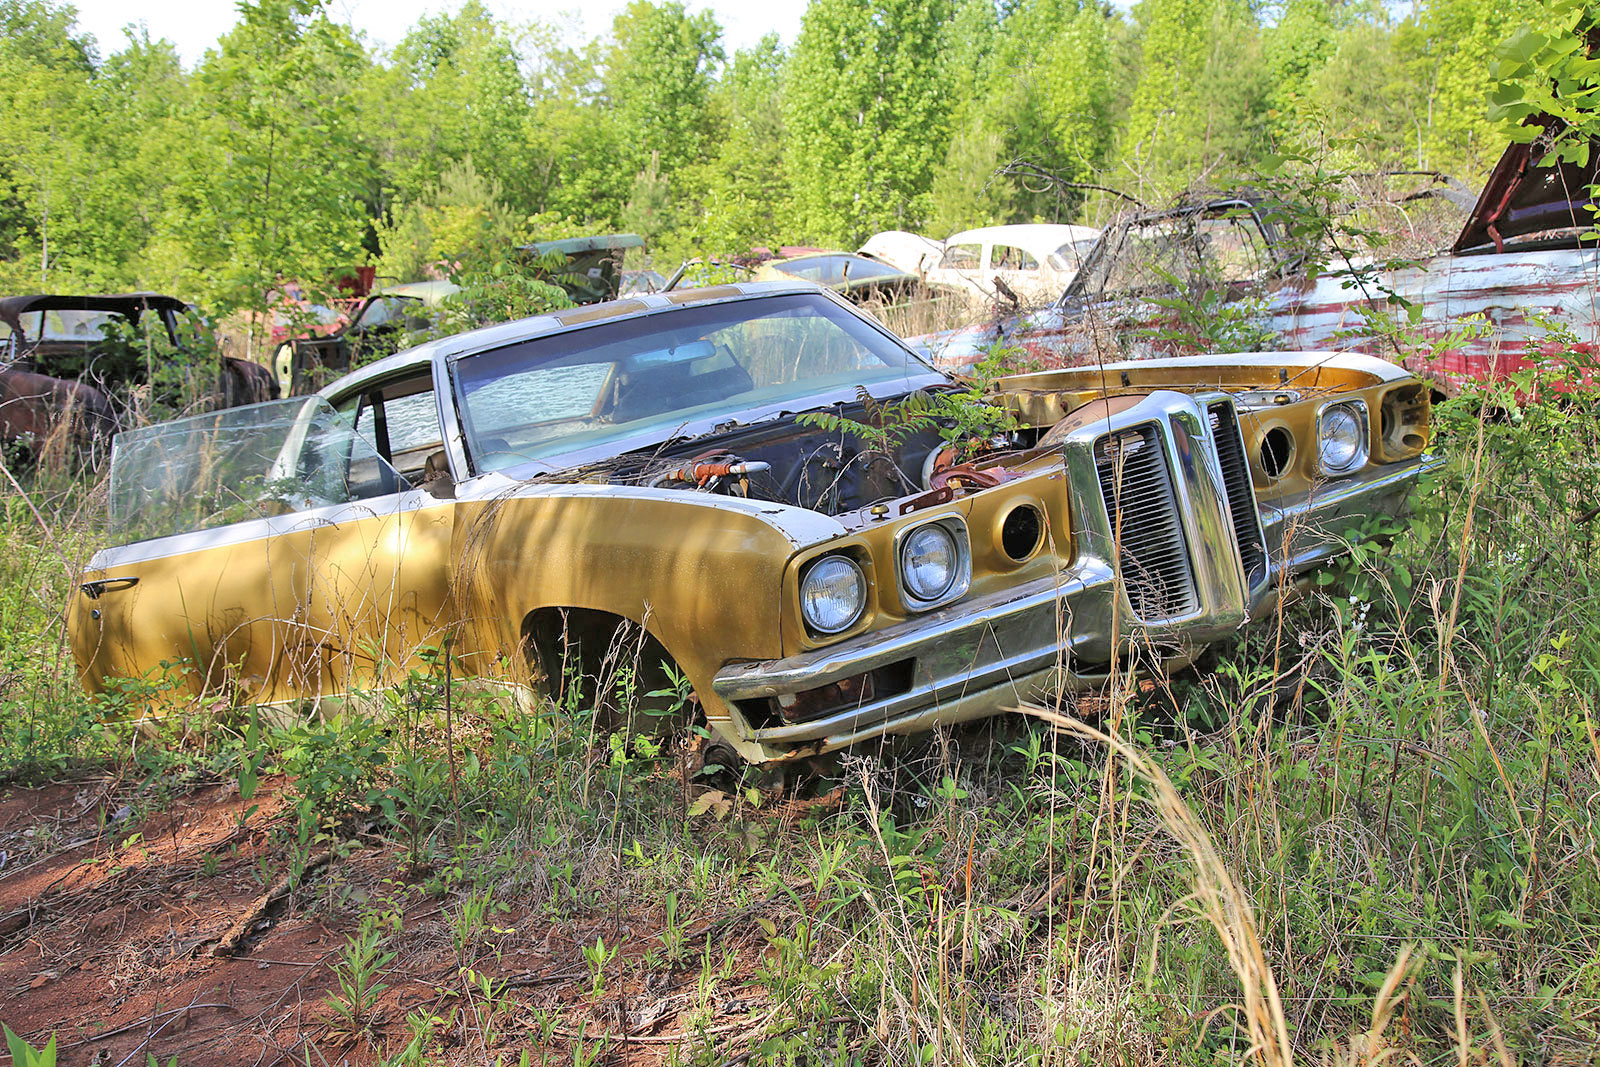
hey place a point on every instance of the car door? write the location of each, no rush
(961, 267)
(1017, 268)
(393, 590)
(269, 554)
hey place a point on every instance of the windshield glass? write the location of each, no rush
(837, 270)
(243, 463)
(608, 382)
(1178, 253)
(66, 324)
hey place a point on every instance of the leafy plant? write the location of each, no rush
(598, 956)
(25, 1055)
(362, 962)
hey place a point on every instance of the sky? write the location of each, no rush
(195, 25)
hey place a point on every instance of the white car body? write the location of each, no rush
(1035, 261)
(911, 252)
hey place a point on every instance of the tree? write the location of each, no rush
(460, 218)
(658, 77)
(1044, 90)
(744, 187)
(1446, 49)
(453, 91)
(866, 112)
(274, 186)
(1197, 107)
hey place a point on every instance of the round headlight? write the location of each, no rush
(832, 594)
(928, 562)
(1341, 441)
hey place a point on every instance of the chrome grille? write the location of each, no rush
(1152, 556)
(1241, 494)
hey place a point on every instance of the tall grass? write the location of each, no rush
(1366, 834)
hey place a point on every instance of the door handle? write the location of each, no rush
(93, 589)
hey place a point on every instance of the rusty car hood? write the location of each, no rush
(1522, 197)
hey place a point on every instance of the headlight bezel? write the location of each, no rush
(1356, 410)
(815, 628)
(955, 528)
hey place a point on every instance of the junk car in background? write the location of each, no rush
(911, 252)
(682, 467)
(1524, 260)
(860, 279)
(376, 327)
(74, 358)
(1026, 264)
(588, 269)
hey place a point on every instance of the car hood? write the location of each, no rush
(1521, 197)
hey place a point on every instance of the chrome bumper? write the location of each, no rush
(979, 656)
(1314, 525)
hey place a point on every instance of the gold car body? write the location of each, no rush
(314, 604)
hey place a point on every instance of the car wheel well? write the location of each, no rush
(584, 659)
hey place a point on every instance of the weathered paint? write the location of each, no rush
(1518, 292)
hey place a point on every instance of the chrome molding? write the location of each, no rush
(956, 527)
(1363, 416)
(1202, 505)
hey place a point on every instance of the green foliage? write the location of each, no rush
(746, 192)
(453, 93)
(506, 290)
(958, 416)
(460, 218)
(280, 165)
(25, 1055)
(363, 961)
(1545, 66)
(658, 76)
(1198, 100)
(294, 153)
(866, 110)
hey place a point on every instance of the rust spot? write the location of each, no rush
(710, 292)
(598, 312)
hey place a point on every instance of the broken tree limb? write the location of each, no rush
(229, 943)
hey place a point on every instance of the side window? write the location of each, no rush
(962, 257)
(414, 432)
(1010, 257)
(400, 420)
(237, 465)
(389, 310)
(32, 324)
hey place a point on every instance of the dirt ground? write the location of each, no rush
(110, 927)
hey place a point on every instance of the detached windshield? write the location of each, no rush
(587, 387)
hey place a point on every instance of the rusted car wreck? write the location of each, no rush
(528, 490)
(61, 373)
(1523, 260)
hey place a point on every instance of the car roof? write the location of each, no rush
(553, 322)
(429, 292)
(129, 304)
(571, 246)
(1041, 238)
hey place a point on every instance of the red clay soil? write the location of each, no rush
(109, 927)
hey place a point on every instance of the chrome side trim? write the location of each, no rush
(1307, 530)
(240, 533)
(958, 649)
